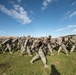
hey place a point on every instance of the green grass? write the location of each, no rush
(14, 64)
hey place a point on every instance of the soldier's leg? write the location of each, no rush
(35, 58)
(72, 49)
(60, 48)
(50, 49)
(22, 49)
(43, 58)
(9, 48)
(4, 49)
(32, 48)
(29, 51)
(64, 48)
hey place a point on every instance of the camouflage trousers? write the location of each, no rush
(64, 48)
(23, 49)
(8, 47)
(40, 54)
(50, 48)
(73, 48)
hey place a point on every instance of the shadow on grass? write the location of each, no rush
(54, 70)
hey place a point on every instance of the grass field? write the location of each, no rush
(14, 64)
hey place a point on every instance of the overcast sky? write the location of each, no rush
(37, 17)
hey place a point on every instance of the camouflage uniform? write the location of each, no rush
(40, 53)
(15, 43)
(73, 43)
(50, 45)
(27, 45)
(7, 45)
(62, 45)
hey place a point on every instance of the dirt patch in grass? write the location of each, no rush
(57, 63)
(4, 65)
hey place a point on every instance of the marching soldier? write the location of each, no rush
(62, 45)
(73, 43)
(27, 45)
(40, 53)
(15, 43)
(6, 45)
